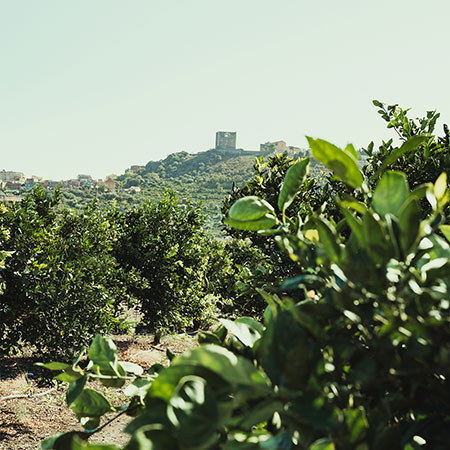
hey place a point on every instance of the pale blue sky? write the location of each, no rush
(93, 86)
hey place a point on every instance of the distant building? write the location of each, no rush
(31, 182)
(226, 140)
(74, 183)
(9, 175)
(278, 147)
(13, 186)
(110, 183)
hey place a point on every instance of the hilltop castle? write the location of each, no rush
(226, 142)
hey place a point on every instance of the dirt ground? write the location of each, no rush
(24, 422)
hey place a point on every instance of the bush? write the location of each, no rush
(355, 357)
(164, 245)
(238, 270)
(423, 156)
(61, 285)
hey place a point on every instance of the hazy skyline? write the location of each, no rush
(95, 86)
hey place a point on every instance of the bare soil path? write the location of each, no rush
(25, 421)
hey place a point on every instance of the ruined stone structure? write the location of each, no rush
(226, 140)
(278, 147)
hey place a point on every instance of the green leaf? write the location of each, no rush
(103, 353)
(117, 373)
(255, 225)
(411, 144)
(249, 208)
(349, 202)
(167, 380)
(409, 223)
(374, 238)
(74, 390)
(77, 358)
(355, 225)
(70, 374)
(252, 214)
(78, 444)
(90, 403)
(328, 239)
(62, 441)
(445, 229)
(234, 369)
(170, 354)
(440, 186)
(206, 337)
(129, 367)
(322, 444)
(53, 365)
(260, 413)
(245, 332)
(47, 444)
(342, 163)
(153, 437)
(420, 191)
(357, 424)
(138, 388)
(350, 149)
(293, 180)
(193, 412)
(390, 193)
(284, 351)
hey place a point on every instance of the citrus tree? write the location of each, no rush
(61, 285)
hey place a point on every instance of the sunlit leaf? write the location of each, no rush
(390, 193)
(341, 162)
(90, 403)
(293, 180)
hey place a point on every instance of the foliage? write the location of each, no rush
(164, 245)
(265, 184)
(61, 286)
(355, 357)
(238, 270)
(422, 156)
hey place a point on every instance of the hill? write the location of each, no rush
(205, 176)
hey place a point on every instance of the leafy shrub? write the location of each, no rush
(422, 156)
(356, 357)
(164, 245)
(61, 285)
(238, 270)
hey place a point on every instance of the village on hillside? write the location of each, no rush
(14, 184)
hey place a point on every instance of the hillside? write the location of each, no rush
(204, 177)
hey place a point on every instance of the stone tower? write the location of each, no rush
(226, 140)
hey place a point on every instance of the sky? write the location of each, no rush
(95, 86)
